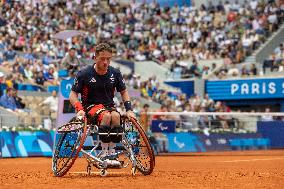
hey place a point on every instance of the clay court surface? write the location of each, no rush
(246, 169)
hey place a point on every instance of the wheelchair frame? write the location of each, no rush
(93, 158)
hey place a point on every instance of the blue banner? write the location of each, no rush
(246, 89)
(65, 87)
(186, 87)
(26, 144)
(189, 142)
(164, 126)
(274, 130)
(231, 141)
(185, 142)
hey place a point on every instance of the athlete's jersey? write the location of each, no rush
(98, 89)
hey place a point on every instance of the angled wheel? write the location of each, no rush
(69, 140)
(141, 146)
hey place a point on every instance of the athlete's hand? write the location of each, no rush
(130, 114)
(80, 114)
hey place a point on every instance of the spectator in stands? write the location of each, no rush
(19, 101)
(51, 75)
(51, 101)
(244, 71)
(1, 83)
(209, 31)
(267, 117)
(206, 72)
(9, 81)
(8, 100)
(3, 22)
(9, 54)
(194, 69)
(71, 62)
(206, 101)
(268, 63)
(275, 61)
(29, 54)
(204, 121)
(144, 118)
(253, 70)
(163, 108)
(279, 56)
(233, 71)
(46, 59)
(223, 119)
(39, 78)
(279, 50)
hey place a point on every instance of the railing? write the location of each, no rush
(210, 121)
(26, 121)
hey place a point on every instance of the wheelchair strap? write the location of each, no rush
(101, 109)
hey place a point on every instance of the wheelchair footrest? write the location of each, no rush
(110, 134)
(114, 164)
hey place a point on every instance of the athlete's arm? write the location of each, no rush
(73, 97)
(125, 95)
(127, 104)
(121, 87)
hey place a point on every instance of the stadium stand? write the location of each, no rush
(216, 38)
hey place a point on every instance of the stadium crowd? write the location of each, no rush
(173, 101)
(138, 32)
(273, 63)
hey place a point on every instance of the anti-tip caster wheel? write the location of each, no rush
(133, 171)
(89, 169)
(103, 172)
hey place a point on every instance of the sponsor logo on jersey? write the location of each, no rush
(93, 80)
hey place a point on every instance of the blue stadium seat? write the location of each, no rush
(3, 86)
(235, 144)
(248, 143)
(22, 87)
(262, 143)
(30, 88)
(62, 73)
(52, 88)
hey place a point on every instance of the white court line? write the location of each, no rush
(95, 172)
(247, 160)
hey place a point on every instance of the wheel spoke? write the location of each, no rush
(140, 147)
(67, 149)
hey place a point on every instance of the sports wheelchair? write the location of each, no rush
(133, 149)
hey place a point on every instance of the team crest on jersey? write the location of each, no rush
(93, 80)
(111, 78)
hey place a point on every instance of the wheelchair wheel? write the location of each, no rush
(69, 140)
(141, 147)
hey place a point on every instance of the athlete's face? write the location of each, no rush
(103, 60)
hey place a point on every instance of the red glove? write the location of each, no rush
(78, 106)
